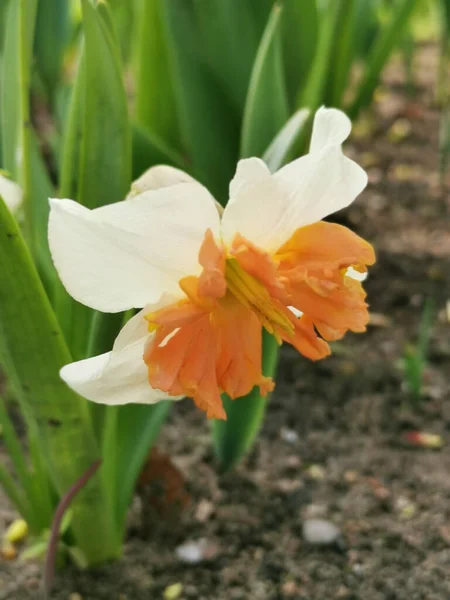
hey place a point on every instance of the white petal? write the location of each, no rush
(297, 313)
(354, 274)
(331, 127)
(11, 193)
(318, 185)
(128, 254)
(247, 212)
(119, 376)
(157, 177)
(268, 209)
(248, 172)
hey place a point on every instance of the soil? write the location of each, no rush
(333, 445)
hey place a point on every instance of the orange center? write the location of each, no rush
(210, 342)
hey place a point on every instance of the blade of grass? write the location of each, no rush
(16, 125)
(97, 150)
(52, 29)
(234, 437)
(139, 428)
(343, 53)
(278, 151)
(386, 40)
(127, 432)
(232, 35)
(15, 494)
(28, 328)
(300, 28)
(266, 107)
(263, 120)
(312, 94)
(17, 455)
(149, 150)
(207, 120)
(155, 98)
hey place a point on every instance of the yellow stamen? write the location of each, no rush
(251, 293)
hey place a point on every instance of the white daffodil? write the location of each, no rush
(11, 192)
(207, 283)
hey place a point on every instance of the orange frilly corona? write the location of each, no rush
(208, 283)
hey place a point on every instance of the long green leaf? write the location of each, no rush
(155, 99)
(300, 28)
(138, 429)
(231, 34)
(127, 432)
(97, 150)
(266, 108)
(279, 149)
(17, 455)
(389, 35)
(262, 123)
(234, 437)
(32, 350)
(15, 89)
(52, 30)
(149, 150)
(207, 121)
(13, 491)
(312, 93)
(342, 54)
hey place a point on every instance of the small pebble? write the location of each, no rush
(316, 472)
(289, 435)
(320, 532)
(8, 551)
(17, 531)
(190, 552)
(351, 476)
(195, 552)
(173, 592)
(205, 509)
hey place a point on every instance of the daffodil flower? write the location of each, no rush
(206, 281)
(11, 192)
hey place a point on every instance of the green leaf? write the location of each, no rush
(15, 89)
(17, 455)
(155, 99)
(105, 162)
(313, 93)
(231, 34)
(388, 36)
(300, 25)
(265, 113)
(343, 53)
(52, 29)
(97, 148)
(34, 551)
(138, 428)
(234, 437)
(41, 190)
(266, 108)
(208, 123)
(14, 492)
(124, 14)
(278, 151)
(32, 351)
(149, 150)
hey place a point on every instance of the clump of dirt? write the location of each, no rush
(333, 445)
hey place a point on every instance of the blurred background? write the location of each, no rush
(345, 491)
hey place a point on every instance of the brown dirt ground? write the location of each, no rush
(350, 413)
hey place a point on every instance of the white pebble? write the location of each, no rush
(320, 532)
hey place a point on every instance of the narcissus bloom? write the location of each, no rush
(11, 193)
(207, 283)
